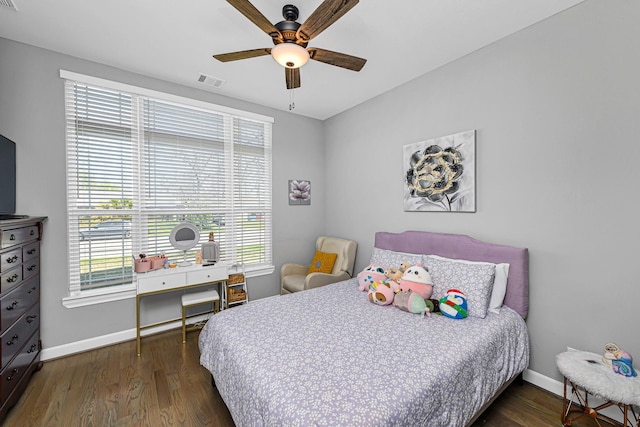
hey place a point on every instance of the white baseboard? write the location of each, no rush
(544, 382)
(110, 339)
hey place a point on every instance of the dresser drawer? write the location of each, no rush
(32, 250)
(10, 259)
(18, 236)
(161, 282)
(207, 275)
(10, 278)
(17, 335)
(16, 302)
(30, 267)
(19, 366)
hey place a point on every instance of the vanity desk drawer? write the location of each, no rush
(157, 283)
(207, 275)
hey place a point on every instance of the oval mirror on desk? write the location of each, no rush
(184, 236)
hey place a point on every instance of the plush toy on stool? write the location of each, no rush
(619, 360)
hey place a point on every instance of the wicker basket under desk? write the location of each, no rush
(235, 278)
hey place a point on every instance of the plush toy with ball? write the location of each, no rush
(371, 274)
(417, 279)
(454, 304)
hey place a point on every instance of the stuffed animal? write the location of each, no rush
(454, 304)
(416, 278)
(619, 360)
(412, 302)
(373, 273)
(395, 274)
(381, 293)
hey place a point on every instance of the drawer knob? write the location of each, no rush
(14, 340)
(32, 232)
(12, 237)
(31, 251)
(33, 348)
(32, 267)
(33, 288)
(13, 374)
(12, 278)
(31, 318)
(13, 305)
(12, 259)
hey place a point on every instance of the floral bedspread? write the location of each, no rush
(329, 357)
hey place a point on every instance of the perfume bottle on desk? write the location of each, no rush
(210, 251)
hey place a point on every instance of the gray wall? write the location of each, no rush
(556, 109)
(557, 112)
(32, 114)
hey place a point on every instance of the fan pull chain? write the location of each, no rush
(292, 101)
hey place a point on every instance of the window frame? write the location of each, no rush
(78, 297)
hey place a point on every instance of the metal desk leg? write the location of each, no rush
(138, 325)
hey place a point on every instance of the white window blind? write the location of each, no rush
(138, 165)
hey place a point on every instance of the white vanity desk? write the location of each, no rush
(173, 279)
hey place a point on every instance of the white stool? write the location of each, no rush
(197, 298)
(585, 374)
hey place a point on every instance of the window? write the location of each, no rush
(140, 162)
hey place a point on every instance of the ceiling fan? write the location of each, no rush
(291, 38)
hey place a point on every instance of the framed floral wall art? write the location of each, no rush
(299, 192)
(439, 174)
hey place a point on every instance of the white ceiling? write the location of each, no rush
(175, 41)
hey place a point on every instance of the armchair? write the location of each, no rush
(294, 277)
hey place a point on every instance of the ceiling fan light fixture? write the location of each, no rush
(290, 55)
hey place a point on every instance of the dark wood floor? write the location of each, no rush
(166, 386)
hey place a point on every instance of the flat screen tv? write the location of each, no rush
(7, 176)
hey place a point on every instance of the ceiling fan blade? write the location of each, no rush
(338, 59)
(243, 54)
(326, 14)
(255, 16)
(293, 77)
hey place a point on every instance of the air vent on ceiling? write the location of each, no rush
(9, 4)
(211, 81)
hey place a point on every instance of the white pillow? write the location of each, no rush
(499, 285)
(474, 279)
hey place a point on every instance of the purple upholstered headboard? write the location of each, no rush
(464, 247)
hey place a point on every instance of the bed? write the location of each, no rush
(328, 356)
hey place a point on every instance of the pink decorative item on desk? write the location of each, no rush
(145, 263)
(141, 266)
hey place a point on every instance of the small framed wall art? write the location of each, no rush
(299, 192)
(439, 174)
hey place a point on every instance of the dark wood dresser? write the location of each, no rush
(20, 343)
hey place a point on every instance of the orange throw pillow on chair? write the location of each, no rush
(322, 262)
